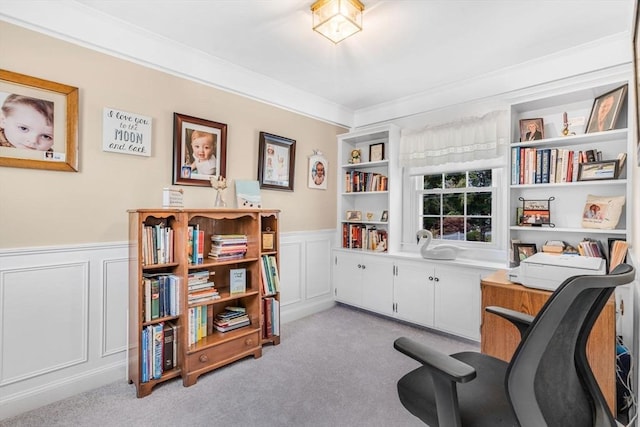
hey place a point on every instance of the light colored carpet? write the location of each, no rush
(334, 368)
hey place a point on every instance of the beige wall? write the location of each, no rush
(43, 208)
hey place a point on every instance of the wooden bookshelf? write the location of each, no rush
(199, 347)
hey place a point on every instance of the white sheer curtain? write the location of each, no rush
(466, 140)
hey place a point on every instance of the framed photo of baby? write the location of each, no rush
(199, 150)
(38, 123)
(317, 172)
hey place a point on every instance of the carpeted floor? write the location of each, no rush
(334, 368)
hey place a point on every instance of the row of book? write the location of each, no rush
(159, 350)
(548, 165)
(157, 244)
(271, 325)
(203, 322)
(195, 244)
(228, 246)
(161, 295)
(361, 236)
(270, 278)
(356, 181)
(200, 287)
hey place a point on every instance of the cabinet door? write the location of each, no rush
(414, 293)
(457, 302)
(377, 284)
(347, 278)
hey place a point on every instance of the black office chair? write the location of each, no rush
(548, 382)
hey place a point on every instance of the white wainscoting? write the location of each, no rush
(63, 313)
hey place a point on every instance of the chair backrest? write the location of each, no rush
(549, 381)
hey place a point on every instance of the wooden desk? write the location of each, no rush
(499, 338)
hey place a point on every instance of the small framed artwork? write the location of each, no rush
(376, 152)
(49, 111)
(199, 150)
(354, 216)
(522, 251)
(385, 216)
(536, 212)
(531, 130)
(606, 109)
(592, 171)
(276, 161)
(268, 240)
(317, 172)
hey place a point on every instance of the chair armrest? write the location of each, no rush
(519, 320)
(451, 368)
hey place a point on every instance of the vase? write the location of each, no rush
(219, 201)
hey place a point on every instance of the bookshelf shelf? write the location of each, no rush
(172, 326)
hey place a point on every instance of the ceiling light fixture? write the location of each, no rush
(337, 19)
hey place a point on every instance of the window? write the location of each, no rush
(458, 205)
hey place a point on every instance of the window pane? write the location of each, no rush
(431, 204)
(479, 204)
(433, 225)
(453, 204)
(479, 230)
(453, 228)
(455, 180)
(432, 181)
(480, 178)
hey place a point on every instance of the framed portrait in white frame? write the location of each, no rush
(317, 172)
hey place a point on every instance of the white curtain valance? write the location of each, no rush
(473, 138)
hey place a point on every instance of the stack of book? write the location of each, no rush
(230, 319)
(201, 289)
(228, 246)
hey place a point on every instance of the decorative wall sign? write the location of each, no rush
(126, 133)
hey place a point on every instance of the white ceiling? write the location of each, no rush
(407, 47)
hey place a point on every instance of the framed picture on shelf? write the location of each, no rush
(592, 171)
(385, 216)
(522, 251)
(276, 161)
(376, 152)
(317, 172)
(199, 150)
(531, 130)
(606, 109)
(354, 216)
(46, 107)
(536, 212)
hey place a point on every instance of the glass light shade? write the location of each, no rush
(337, 19)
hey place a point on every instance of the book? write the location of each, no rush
(158, 345)
(168, 347)
(237, 281)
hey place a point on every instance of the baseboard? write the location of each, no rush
(51, 392)
(304, 309)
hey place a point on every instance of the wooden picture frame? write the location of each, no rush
(522, 251)
(53, 107)
(376, 152)
(606, 109)
(595, 171)
(317, 172)
(531, 130)
(192, 133)
(276, 162)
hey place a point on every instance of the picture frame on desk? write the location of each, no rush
(606, 110)
(54, 107)
(594, 171)
(531, 129)
(523, 251)
(276, 162)
(198, 143)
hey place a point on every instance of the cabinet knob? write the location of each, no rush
(204, 358)
(431, 278)
(359, 266)
(436, 279)
(364, 266)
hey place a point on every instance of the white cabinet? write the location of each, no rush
(368, 211)
(364, 281)
(568, 193)
(413, 289)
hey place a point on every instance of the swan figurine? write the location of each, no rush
(445, 252)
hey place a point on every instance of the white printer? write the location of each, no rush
(547, 271)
